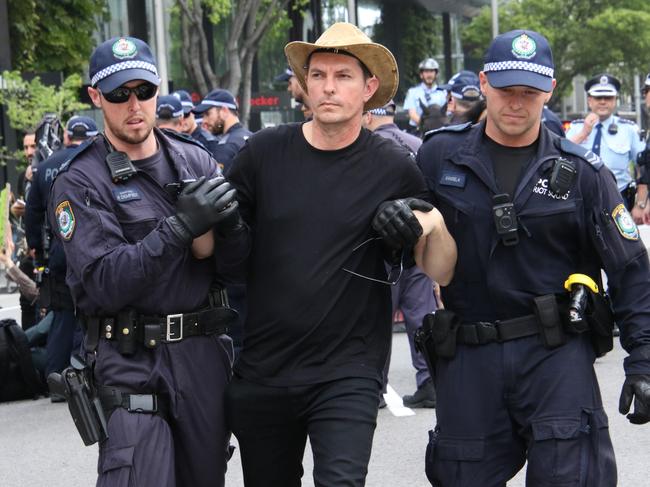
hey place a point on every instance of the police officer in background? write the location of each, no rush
(191, 125)
(54, 294)
(427, 93)
(219, 111)
(465, 102)
(138, 213)
(643, 161)
(615, 139)
(514, 365)
(169, 113)
(413, 294)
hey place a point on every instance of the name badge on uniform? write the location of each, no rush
(124, 194)
(450, 178)
(625, 223)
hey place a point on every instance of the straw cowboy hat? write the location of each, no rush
(346, 37)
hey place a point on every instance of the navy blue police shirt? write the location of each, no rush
(36, 208)
(580, 232)
(229, 144)
(121, 252)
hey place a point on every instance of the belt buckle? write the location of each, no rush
(174, 331)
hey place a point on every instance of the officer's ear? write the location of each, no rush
(550, 93)
(94, 96)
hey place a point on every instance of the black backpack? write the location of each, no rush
(19, 379)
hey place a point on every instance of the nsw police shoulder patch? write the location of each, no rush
(625, 223)
(65, 220)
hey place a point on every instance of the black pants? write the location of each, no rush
(272, 425)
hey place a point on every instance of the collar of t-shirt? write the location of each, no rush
(508, 163)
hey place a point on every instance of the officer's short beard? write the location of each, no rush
(132, 138)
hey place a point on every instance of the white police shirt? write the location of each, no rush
(428, 96)
(616, 150)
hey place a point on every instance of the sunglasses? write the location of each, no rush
(394, 273)
(142, 92)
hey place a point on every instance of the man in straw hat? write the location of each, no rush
(319, 324)
(536, 217)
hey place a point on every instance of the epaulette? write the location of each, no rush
(626, 121)
(585, 154)
(173, 134)
(80, 149)
(449, 128)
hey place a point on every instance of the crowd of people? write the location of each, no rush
(224, 281)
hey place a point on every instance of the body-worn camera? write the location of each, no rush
(505, 219)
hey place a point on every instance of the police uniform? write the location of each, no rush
(422, 95)
(504, 398)
(619, 142)
(54, 293)
(154, 322)
(199, 134)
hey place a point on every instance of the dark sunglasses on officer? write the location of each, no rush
(142, 92)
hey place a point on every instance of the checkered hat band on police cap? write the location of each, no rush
(219, 104)
(188, 104)
(171, 109)
(114, 68)
(74, 125)
(518, 66)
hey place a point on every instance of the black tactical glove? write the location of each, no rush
(396, 223)
(227, 207)
(200, 206)
(643, 158)
(637, 387)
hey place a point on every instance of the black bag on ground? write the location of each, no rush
(19, 378)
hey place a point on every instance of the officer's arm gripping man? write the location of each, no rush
(625, 261)
(414, 223)
(90, 231)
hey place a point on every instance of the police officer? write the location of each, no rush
(465, 102)
(169, 113)
(427, 93)
(615, 139)
(643, 160)
(413, 294)
(219, 112)
(515, 381)
(133, 225)
(297, 93)
(191, 126)
(49, 256)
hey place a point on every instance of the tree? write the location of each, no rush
(28, 101)
(586, 37)
(53, 36)
(248, 21)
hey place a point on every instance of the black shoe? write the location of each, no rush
(424, 397)
(616, 331)
(57, 398)
(382, 402)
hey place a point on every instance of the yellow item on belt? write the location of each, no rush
(580, 279)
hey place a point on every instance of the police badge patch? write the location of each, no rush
(625, 223)
(524, 47)
(65, 219)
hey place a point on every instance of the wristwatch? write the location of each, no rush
(642, 204)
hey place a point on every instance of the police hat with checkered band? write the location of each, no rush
(80, 127)
(120, 60)
(520, 58)
(186, 100)
(466, 87)
(603, 85)
(168, 107)
(217, 98)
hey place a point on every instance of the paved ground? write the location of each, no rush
(40, 447)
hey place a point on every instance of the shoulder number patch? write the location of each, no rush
(624, 222)
(65, 219)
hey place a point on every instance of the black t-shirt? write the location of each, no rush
(309, 321)
(509, 163)
(157, 166)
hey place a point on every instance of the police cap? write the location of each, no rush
(285, 75)
(120, 60)
(168, 107)
(603, 85)
(79, 127)
(186, 100)
(520, 58)
(466, 87)
(217, 98)
(388, 110)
